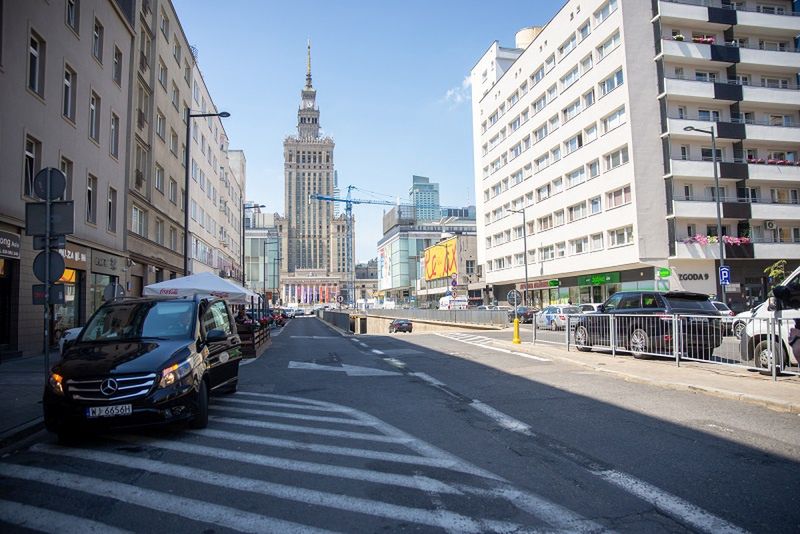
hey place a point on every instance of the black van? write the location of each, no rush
(144, 361)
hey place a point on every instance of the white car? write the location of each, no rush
(589, 307)
(756, 335)
(728, 316)
(67, 337)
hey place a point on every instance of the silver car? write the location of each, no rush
(555, 317)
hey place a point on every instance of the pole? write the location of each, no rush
(265, 272)
(525, 256)
(47, 283)
(243, 278)
(719, 212)
(187, 152)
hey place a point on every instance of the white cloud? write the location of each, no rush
(456, 96)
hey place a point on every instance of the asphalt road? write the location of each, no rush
(421, 432)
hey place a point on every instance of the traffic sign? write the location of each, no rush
(454, 282)
(62, 220)
(57, 241)
(724, 275)
(56, 266)
(57, 184)
(514, 297)
(340, 298)
(56, 294)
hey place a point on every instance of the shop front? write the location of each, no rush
(106, 270)
(9, 288)
(72, 313)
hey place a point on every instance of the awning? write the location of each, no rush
(204, 284)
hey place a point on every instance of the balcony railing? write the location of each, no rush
(727, 198)
(711, 240)
(735, 44)
(750, 161)
(719, 4)
(764, 85)
(736, 120)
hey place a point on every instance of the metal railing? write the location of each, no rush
(762, 85)
(477, 317)
(719, 4)
(756, 343)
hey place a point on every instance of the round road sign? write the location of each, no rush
(514, 297)
(340, 298)
(58, 183)
(56, 266)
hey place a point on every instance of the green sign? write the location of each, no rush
(598, 279)
(663, 272)
(554, 283)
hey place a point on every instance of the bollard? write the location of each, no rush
(516, 339)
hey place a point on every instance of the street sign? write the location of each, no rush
(454, 282)
(56, 294)
(56, 266)
(58, 183)
(340, 298)
(724, 275)
(57, 242)
(61, 218)
(514, 297)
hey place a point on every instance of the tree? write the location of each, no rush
(776, 272)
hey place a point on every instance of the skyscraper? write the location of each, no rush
(424, 196)
(314, 238)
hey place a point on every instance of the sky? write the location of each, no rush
(391, 80)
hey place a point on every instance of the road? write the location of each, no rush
(421, 432)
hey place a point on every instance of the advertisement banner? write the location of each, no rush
(441, 260)
(385, 267)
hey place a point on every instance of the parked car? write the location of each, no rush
(150, 360)
(555, 317)
(279, 317)
(644, 323)
(264, 318)
(727, 316)
(741, 319)
(67, 337)
(400, 325)
(589, 307)
(524, 313)
(290, 312)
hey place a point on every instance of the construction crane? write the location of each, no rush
(349, 254)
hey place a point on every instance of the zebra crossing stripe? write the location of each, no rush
(287, 415)
(351, 473)
(44, 520)
(439, 518)
(196, 510)
(308, 430)
(272, 404)
(298, 402)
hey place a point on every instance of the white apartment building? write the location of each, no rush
(216, 192)
(582, 127)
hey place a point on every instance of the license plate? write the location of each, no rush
(109, 411)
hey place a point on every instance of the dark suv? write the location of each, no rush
(644, 323)
(144, 361)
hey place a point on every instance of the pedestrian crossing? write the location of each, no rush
(473, 339)
(267, 463)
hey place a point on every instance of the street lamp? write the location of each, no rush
(525, 255)
(721, 294)
(187, 157)
(244, 207)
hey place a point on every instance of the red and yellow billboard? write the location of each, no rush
(440, 260)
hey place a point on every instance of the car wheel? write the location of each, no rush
(738, 328)
(639, 343)
(582, 342)
(200, 419)
(762, 354)
(553, 326)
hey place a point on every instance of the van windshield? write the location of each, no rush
(135, 320)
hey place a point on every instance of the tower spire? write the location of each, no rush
(308, 66)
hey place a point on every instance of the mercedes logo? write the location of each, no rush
(108, 387)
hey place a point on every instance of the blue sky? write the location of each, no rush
(390, 87)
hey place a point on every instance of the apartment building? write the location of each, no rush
(580, 149)
(262, 256)
(162, 88)
(424, 195)
(64, 78)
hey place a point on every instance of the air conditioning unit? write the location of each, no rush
(770, 225)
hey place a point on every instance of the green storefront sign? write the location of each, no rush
(663, 272)
(554, 283)
(598, 279)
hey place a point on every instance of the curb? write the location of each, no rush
(20, 432)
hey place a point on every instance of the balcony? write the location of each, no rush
(759, 169)
(695, 251)
(776, 251)
(694, 209)
(784, 97)
(689, 89)
(715, 12)
(775, 211)
(764, 131)
(764, 59)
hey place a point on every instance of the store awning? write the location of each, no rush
(204, 284)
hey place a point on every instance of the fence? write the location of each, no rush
(763, 344)
(479, 317)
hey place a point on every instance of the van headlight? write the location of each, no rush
(175, 372)
(56, 383)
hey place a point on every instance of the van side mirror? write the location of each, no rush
(601, 308)
(215, 336)
(785, 298)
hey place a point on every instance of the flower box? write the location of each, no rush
(678, 37)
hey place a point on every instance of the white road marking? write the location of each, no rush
(193, 509)
(395, 363)
(297, 401)
(376, 351)
(352, 473)
(315, 337)
(672, 505)
(445, 519)
(505, 421)
(44, 520)
(287, 415)
(363, 345)
(276, 332)
(236, 399)
(429, 379)
(351, 370)
(497, 349)
(309, 430)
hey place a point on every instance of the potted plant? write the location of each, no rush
(678, 37)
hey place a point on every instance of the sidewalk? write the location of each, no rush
(724, 381)
(21, 387)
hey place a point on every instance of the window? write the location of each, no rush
(72, 16)
(576, 211)
(138, 221)
(573, 143)
(590, 133)
(608, 45)
(703, 76)
(595, 206)
(159, 182)
(708, 114)
(537, 76)
(114, 136)
(561, 249)
(616, 158)
(117, 67)
(176, 96)
(620, 236)
(470, 266)
(579, 246)
(618, 197)
(558, 185)
(576, 177)
(187, 73)
(176, 51)
(543, 192)
(550, 63)
(593, 168)
(568, 45)
(173, 142)
(585, 30)
(162, 73)
(69, 94)
(586, 64)
(67, 168)
(111, 210)
(94, 117)
(173, 191)
(159, 231)
(611, 83)
(97, 41)
(615, 119)
(173, 239)
(91, 199)
(32, 162)
(546, 253)
(36, 57)
(545, 223)
(706, 154)
(684, 152)
(597, 241)
(572, 110)
(603, 13)
(558, 218)
(588, 98)
(161, 125)
(164, 25)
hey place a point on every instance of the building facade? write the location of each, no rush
(65, 81)
(316, 260)
(582, 127)
(449, 267)
(424, 196)
(263, 252)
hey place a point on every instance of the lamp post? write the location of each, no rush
(187, 157)
(244, 207)
(721, 294)
(525, 255)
